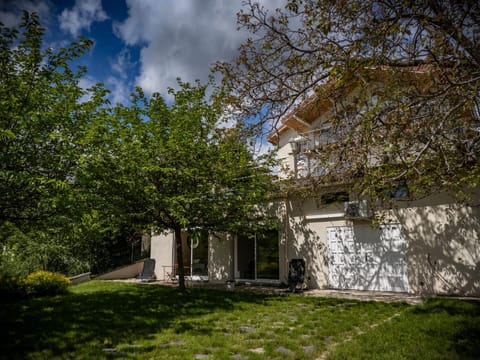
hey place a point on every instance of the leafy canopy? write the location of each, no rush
(175, 164)
(76, 173)
(173, 167)
(40, 121)
(49, 217)
(402, 80)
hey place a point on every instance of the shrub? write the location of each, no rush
(45, 283)
(11, 287)
(11, 281)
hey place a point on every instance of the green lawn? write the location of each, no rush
(104, 320)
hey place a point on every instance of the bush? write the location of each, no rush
(11, 281)
(11, 287)
(45, 283)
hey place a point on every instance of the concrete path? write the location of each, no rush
(329, 293)
(340, 294)
(367, 295)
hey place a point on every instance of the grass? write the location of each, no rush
(438, 329)
(105, 320)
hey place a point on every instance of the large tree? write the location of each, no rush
(49, 217)
(174, 167)
(413, 68)
(41, 123)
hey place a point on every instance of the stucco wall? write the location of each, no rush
(284, 154)
(162, 251)
(306, 237)
(442, 237)
(443, 246)
(220, 257)
(78, 279)
(126, 272)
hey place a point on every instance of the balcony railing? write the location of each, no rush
(306, 148)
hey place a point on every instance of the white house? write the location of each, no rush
(426, 246)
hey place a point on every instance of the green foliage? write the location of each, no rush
(11, 282)
(45, 283)
(49, 214)
(46, 250)
(15, 285)
(173, 167)
(41, 122)
(79, 179)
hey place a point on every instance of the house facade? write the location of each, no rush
(428, 246)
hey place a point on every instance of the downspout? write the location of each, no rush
(191, 256)
(231, 276)
(179, 248)
(287, 234)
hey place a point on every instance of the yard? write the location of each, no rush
(137, 321)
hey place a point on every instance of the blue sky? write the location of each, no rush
(140, 42)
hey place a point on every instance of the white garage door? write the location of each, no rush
(363, 258)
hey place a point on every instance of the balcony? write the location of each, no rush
(307, 152)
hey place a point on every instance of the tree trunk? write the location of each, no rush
(181, 270)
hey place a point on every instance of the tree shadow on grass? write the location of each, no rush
(122, 313)
(464, 324)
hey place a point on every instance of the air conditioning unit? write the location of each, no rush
(357, 209)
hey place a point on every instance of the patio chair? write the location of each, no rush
(170, 276)
(148, 271)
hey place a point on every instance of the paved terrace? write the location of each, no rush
(341, 294)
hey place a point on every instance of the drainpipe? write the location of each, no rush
(191, 256)
(231, 276)
(287, 234)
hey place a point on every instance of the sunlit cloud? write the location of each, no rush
(81, 16)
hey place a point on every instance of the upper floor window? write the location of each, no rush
(335, 197)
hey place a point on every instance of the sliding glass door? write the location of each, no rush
(257, 255)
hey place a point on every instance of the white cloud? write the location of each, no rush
(122, 63)
(180, 38)
(120, 90)
(11, 11)
(85, 83)
(119, 82)
(81, 16)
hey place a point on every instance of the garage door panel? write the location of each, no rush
(341, 255)
(367, 259)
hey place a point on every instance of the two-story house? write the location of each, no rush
(425, 246)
